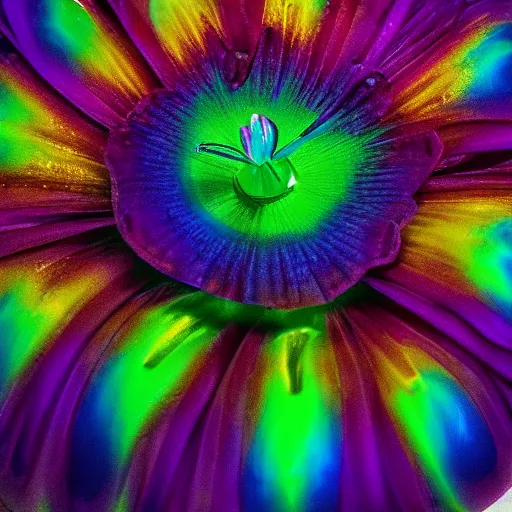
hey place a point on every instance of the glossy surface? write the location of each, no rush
(305, 248)
(83, 53)
(124, 389)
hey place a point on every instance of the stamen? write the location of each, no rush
(263, 179)
(259, 139)
(224, 151)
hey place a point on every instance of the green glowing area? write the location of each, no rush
(70, 27)
(298, 430)
(490, 263)
(267, 182)
(310, 183)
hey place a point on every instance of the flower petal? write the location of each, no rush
(136, 19)
(42, 289)
(94, 349)
(165, 357)
(53, 181)
(53, 301)
(170, 33)
(469, 138)
(457, 252)
(82, 52)
(446, 407)
(274, 428)
(185, 32)
(464, 76)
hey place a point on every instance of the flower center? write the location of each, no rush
(263, 178)
(207, 190)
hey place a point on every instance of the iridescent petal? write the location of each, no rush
(52, 302)
(457, 252)
(173, 35)
(298, 21)
(469, 138)
(51, 162)
(376, 473)
(187, 31)
(159, 361)
(181, 29)
(445, 406)
(465, 75)
(82, 52)
(282, 430)
(293, 460)
(134, 15)
(36, 304)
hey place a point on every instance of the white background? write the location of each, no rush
(504, 504)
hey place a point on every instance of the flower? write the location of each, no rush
(255, 255)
